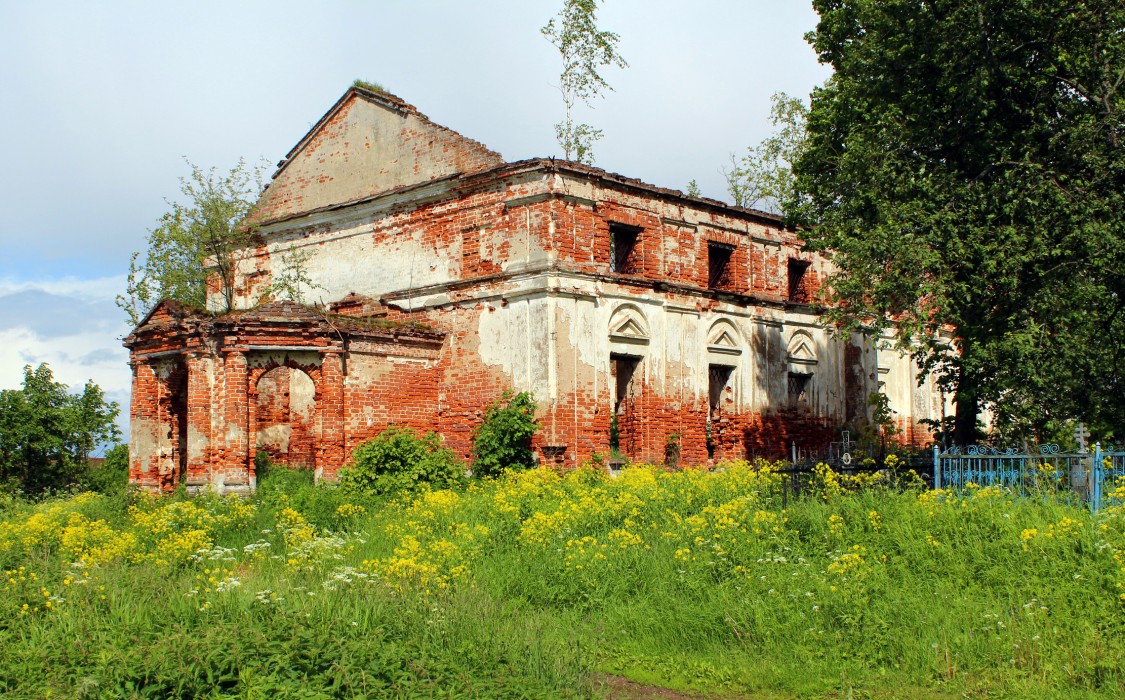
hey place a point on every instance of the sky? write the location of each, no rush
(102, 103)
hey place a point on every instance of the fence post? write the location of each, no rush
(937, 469)
(1096, 479)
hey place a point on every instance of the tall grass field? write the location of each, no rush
(545, 585)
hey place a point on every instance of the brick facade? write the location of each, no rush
(691, 321)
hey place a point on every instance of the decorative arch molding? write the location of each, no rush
(309, 362)
(629, 331)
(725, 344)
(801, 357)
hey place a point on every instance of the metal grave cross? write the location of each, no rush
(1081, 434)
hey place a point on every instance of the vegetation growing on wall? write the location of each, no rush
(586, 51)
(202, 237)
(368, 85)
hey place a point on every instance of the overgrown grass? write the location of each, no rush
(527, 585)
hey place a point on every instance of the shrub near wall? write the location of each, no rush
(399, 460)
(503, 439)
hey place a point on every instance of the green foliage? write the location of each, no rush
(111, 477)
(526, 585)
(48, 434)
(762, 178)
(585, 51)
(882, 424)
(965, 164)
(398, 460)
(368, 85)
(292, 280)
(276, 482)
(503, 439)
(205, 235)
(672, 448)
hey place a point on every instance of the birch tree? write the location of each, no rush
(586, 51)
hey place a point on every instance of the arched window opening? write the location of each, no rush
(286, 412)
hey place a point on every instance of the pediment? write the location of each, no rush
(630, 328)
(369, 143)
(802, 350)
(724, 340)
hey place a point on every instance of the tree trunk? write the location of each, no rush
(965, 424)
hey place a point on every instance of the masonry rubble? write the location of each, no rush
(684, 326)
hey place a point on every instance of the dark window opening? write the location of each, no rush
(554, 455)
(797, 289)
(623, 422)
(622, 368)
(799, 388)
(719, 377)
(623, 253)
(718, 265)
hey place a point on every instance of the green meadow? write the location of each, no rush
(544, 585)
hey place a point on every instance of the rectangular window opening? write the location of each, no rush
(623, 420)
(622, 368)
(798, 292)
(718, 265)
(623, 253)
(718, 380)
(799, 388)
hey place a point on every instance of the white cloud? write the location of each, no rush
(90, 351)
(99, 289)
(73, 359)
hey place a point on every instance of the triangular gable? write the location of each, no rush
(166, 312)
(630, 329)
(724, 339)
(800, 348)
(723, 347)
(802, 354)
(367, 144)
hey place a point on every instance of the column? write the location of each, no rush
(235, 435)
(199, 449)
(330, 454)
(144, 422)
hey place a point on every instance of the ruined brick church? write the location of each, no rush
(443, 276)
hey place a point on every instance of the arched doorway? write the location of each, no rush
(287, 426)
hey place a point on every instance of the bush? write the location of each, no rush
(503, 440)
(399, 460)
(277, 482)
(111, 477)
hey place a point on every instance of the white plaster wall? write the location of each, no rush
(356, 258)
(556, 344)
(899, 373)
(514, 337)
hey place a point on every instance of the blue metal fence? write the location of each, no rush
(1083, 476)
(1108, 474)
